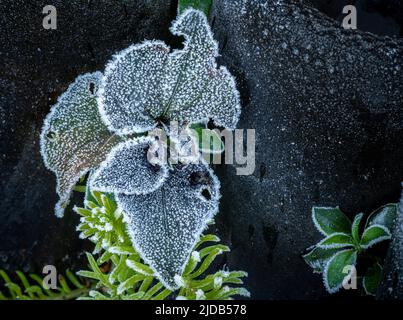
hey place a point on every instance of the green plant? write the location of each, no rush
(31, 287)
(121, 274)
(345, 243)
(202, 5)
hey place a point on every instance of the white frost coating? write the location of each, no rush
(376, 240)
(145, 83)
(74, 139)
(127, 169)
(165, 225)
(322, 244)
(130, 98)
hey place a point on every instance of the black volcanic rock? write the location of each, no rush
(37, 65)
(326, 104)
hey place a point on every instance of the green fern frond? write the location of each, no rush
(122, 275)
(31, 287)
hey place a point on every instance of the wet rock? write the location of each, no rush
(37, 65)
(326, 104)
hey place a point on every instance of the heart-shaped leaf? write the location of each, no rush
(74, 138)
(330, 220)
(145, 83)
(166, 224)
(338, 268)
(373, 235)
(130, 97)
(336, 240)
(132, 167)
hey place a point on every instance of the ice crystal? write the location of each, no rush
(127, 169)
(146, 83)
(166, 224)
(74, 138)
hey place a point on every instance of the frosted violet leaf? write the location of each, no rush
(194, 89)
(128, 169)
(166, 224)
(74, 139)
(130, 97)
(145, 83)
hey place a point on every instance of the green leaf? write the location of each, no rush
(384, 216)
(372, 279)
(355, 229)
(202, 5)
(318, 258)
(373, 235)
(335, 271)
(209, 140)
(139, 267)
(74, 139)
(336, 240)
(330, 220)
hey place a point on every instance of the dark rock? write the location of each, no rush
(391, 287)
(37, 65)
(326, 104)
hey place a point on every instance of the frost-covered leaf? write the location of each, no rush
(209, 140)
(355, 228)
(384, 216)
(335, 271)
(183, 145)
(74, 138)
(372, 279)
(373, 235)
(127, 169)
(336, 240)
(202, 5)
(318, 257)
(194, 89)
(166, 224)
(330, 220)
(130, 97)
(145, 83)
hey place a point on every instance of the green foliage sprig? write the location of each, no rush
(121, 274)
(345, 243)
(31, 287)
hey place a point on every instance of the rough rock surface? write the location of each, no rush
(326, 104)
(37, 65)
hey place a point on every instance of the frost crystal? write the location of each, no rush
(128, 170)
(145, 83)
(74, 138)
(165, 225)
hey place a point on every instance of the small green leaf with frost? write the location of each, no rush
(384, 216)
(355, 229)
(202, 5)
(336, 240)
(318, 257)
(374, 234)
(337, 269)
(330, 220)
(372, 279)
